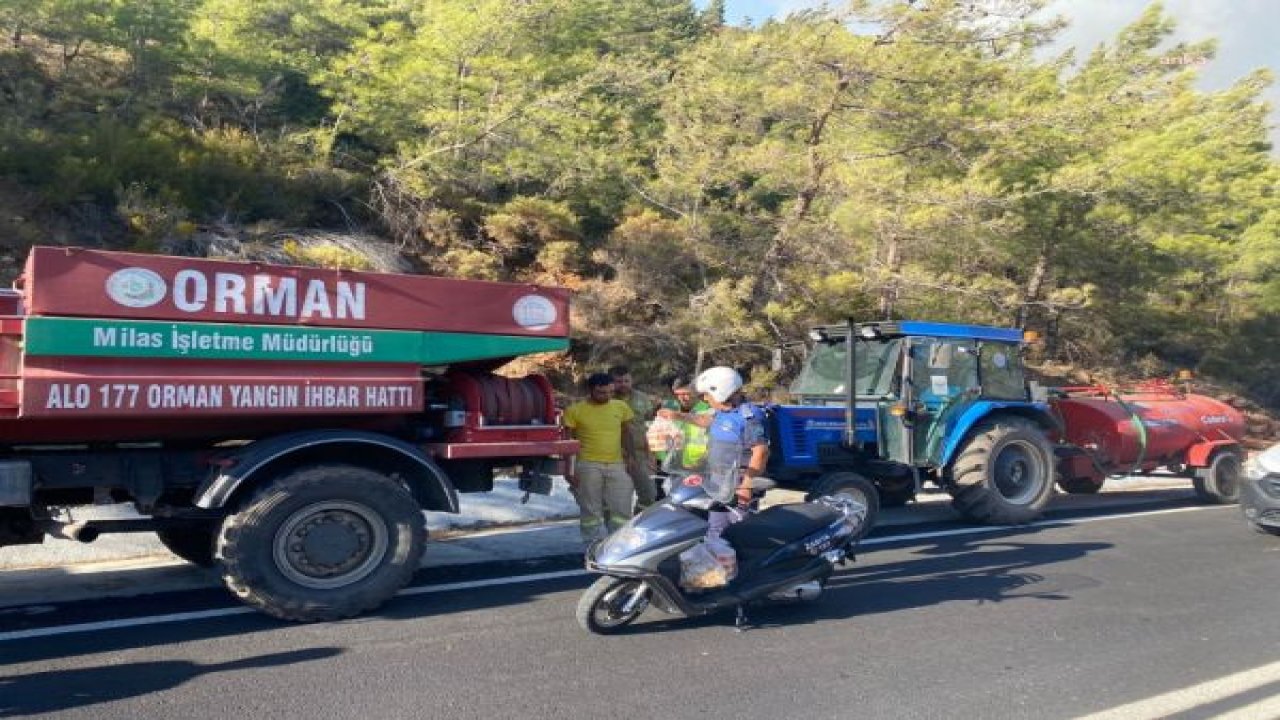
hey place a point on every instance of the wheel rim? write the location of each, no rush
(330, 544)
(1018, 472)
(608, 612)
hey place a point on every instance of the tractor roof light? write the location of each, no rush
(819, 335)
(869, 332)
(1185, 374)
(1030, 336)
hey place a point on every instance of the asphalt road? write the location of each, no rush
(1162, 611)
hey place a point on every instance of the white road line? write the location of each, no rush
(468, 585)
(226, 612)
(119, 624)
(1211, 691)
(1042, 523)
(517, 579)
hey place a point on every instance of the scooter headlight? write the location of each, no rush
(626, 540)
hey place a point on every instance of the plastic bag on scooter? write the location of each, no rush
(702, 569)
(724, 555)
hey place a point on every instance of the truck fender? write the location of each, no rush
(243, 467)
(1200, 454)
(983, 409)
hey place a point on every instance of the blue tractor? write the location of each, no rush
(932, 402)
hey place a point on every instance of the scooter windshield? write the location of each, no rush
(724, 465)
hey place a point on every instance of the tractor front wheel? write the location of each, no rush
(853, 486)
(1005, 473)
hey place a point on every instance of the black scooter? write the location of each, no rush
(785, 552)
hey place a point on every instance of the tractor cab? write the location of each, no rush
(912, 379)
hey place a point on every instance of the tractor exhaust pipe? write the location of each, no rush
(80, 532)
(850, 387)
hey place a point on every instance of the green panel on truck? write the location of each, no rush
(104, 337)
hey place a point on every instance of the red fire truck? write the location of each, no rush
(287, 425)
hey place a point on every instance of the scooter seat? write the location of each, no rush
(779, 525)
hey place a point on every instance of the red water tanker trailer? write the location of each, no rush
(286, 424)
(1140, 429)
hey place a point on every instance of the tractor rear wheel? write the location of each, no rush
(1005, 473)
(1220, 484)
(853, 486)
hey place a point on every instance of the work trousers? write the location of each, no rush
(604, 496)
(645, 486)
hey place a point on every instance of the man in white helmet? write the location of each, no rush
(737, 447)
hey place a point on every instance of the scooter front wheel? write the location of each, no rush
(611, 604)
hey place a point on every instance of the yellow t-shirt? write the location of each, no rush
(598, 426)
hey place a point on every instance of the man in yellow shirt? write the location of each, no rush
(599, 478)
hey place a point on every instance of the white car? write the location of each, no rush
(1260, 491)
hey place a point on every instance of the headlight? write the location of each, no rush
(626, 540)
(1253, 469)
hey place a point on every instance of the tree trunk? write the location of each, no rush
(893, 264)
(1034, 289)
(809, 191)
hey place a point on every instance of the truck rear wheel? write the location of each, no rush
(853, 486)
(193, 543)
(1005, 473)
(1220, 483)
(322, 543)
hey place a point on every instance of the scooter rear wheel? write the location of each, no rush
(603, 607)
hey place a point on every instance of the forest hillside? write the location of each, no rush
(707, 190)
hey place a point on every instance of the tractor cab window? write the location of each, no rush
(875, 363)
(943, 369)
(1002, 376)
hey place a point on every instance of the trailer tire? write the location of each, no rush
(852, 485)
(1004, 475)
(1220, 484)
(323, 542)
(1080, 486)
(193, 543)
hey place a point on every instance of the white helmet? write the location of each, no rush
(719, 382)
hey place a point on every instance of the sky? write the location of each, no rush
(1245, 30)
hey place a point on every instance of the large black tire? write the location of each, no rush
(322, 543)
(1080, 486)
(600, 609)
(851, 485)
(193, 543)
(1005, 473)
(1220, 484)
